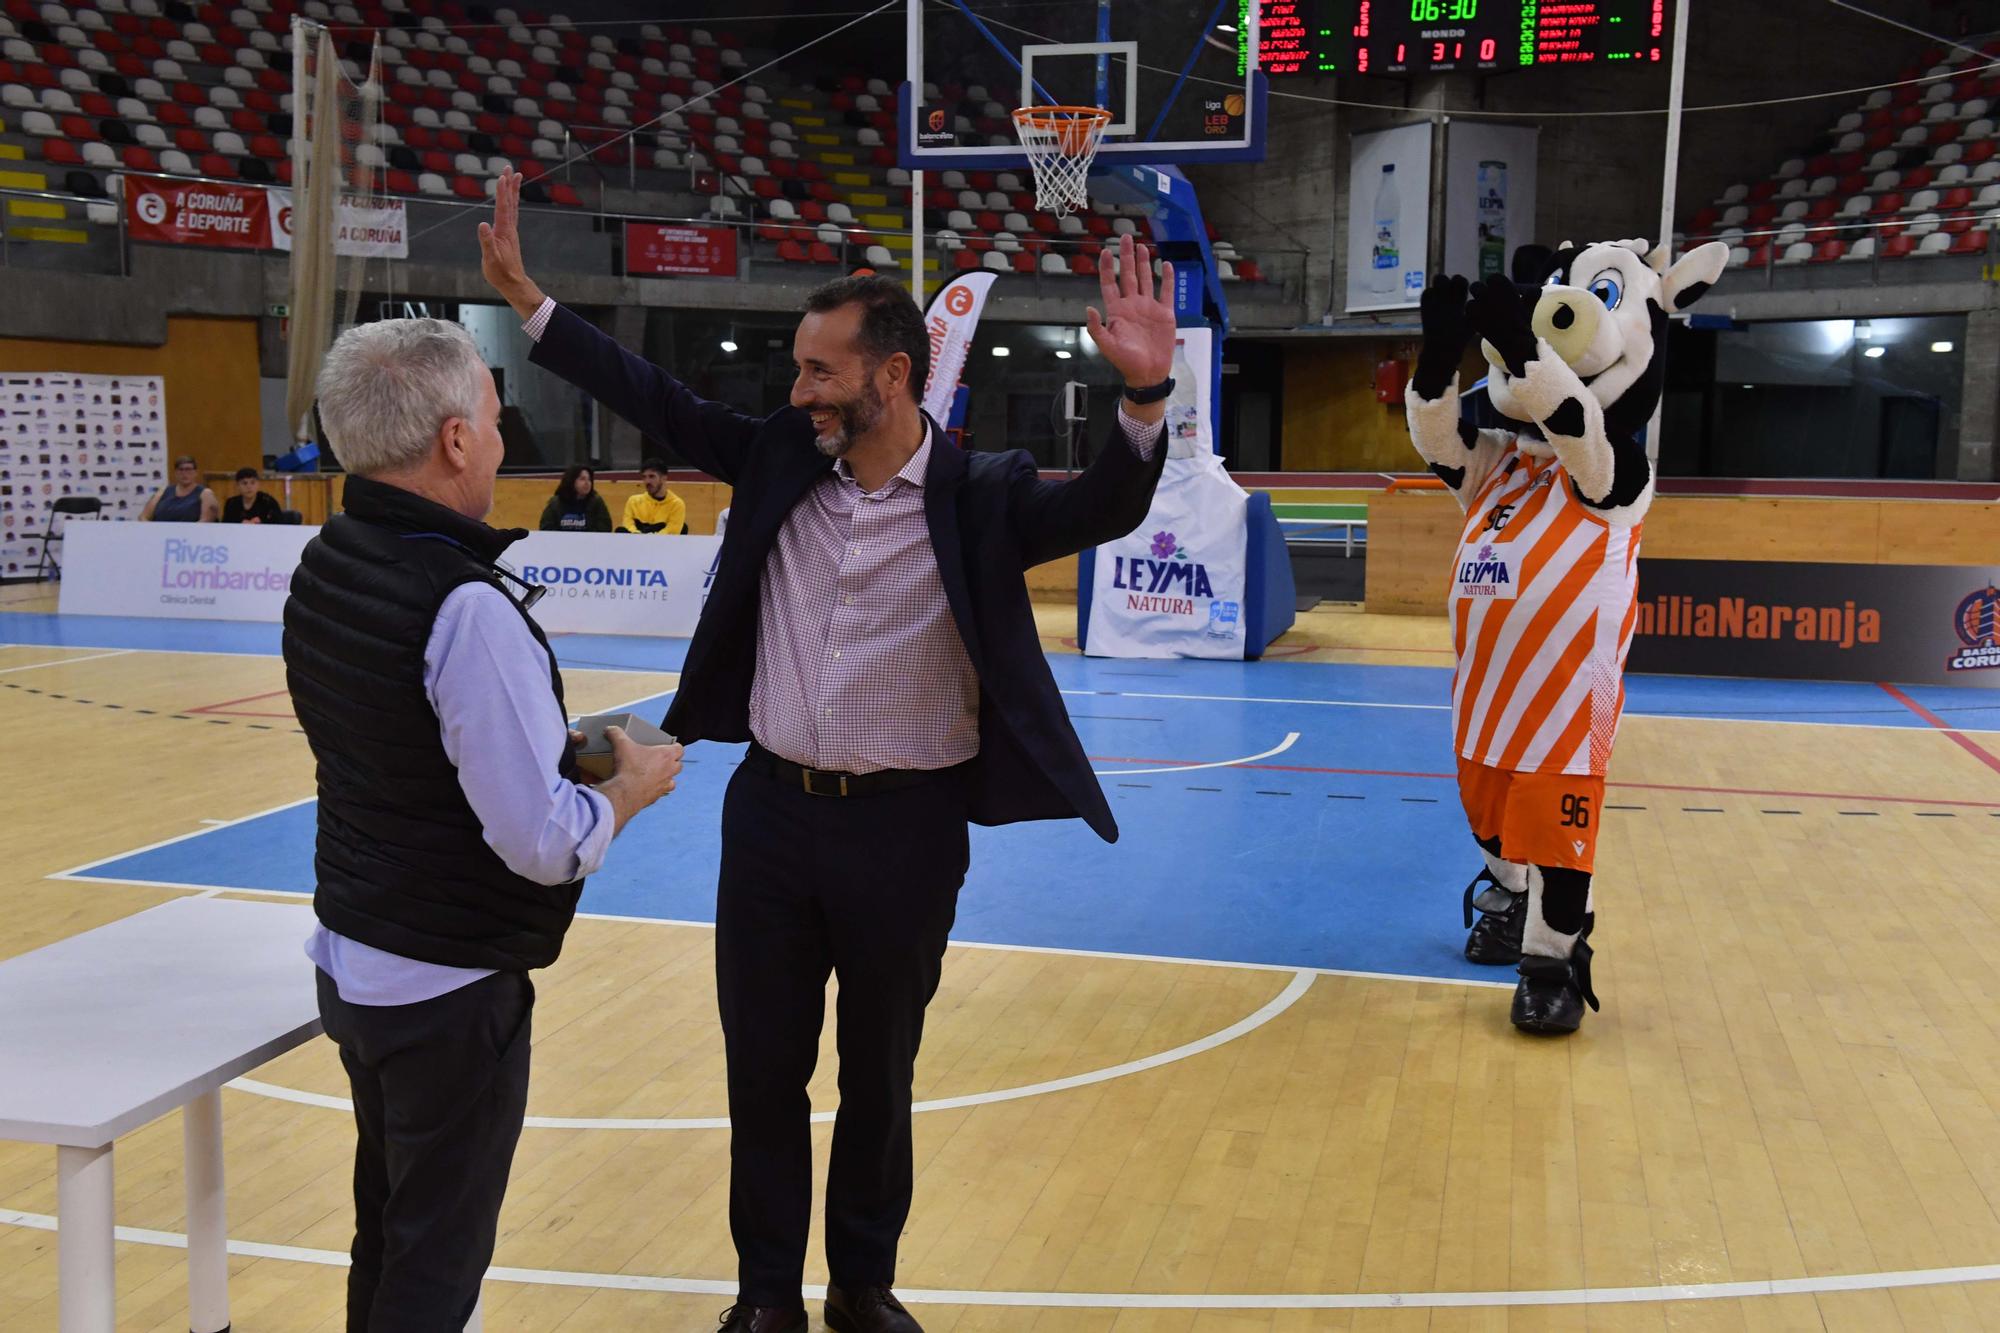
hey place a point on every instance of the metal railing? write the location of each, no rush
(1769, 242)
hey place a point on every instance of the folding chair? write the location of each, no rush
(48, 566)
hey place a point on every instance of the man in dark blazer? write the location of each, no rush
(869, 633)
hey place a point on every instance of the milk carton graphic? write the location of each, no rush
(1491, 211)
(1385, 249)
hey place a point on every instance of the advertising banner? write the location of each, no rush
(1916, 624)
(252, 217)
(598, 583)
(64, 436)
(1388, 218)
(657, 249)
(951, 322)
(361, 232)
(1489, 196)
(208, 213)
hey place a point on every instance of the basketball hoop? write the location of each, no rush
(1061, 143)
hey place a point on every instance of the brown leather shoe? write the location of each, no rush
(868, 1310)
(763, 1319)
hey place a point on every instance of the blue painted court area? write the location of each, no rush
(1333, 840)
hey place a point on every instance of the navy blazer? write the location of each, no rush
(991, 518)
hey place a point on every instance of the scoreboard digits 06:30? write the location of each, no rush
(1436, 36)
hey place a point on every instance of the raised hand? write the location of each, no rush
(1137, 329)
(500, 248)
(1447, 333)
(1501, 318)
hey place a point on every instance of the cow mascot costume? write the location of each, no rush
(1544, 583)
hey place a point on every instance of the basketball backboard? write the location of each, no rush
(1178, 76)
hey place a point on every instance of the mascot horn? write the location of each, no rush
(1545, 576)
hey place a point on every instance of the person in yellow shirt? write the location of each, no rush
(656, 509)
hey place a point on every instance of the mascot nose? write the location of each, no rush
(1567, 318)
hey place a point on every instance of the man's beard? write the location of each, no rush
(857, 417)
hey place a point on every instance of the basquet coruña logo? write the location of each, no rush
(1977, 621)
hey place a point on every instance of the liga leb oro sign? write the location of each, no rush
(1920, 624)
(660, 248)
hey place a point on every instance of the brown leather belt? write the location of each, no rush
(822, 782)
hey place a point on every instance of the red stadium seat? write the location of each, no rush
(399, 182)
(1025, 262)
(191, 141)
(1084, 265)
(246, 121)
(267, 146)
(61, 152)
(78, 128)
(465, 187)
(1970, 243)
(565, 194)
(1895, 247)
(1916, 178)
(1824, 253)
(139, 158)
(1247, 270)
(218, 166)
(822, 253)
(792, 252)
(965, 258)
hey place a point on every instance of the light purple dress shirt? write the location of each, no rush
(488, 681)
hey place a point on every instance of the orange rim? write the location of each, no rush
(1061, 117)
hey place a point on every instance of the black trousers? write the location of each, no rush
(440, 1089)
(864, 887)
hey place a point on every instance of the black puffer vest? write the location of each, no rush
(401, 863)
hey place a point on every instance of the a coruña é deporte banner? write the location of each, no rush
(252, 217)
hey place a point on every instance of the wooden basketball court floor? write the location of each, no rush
(1227, 1075)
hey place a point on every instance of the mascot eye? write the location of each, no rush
(1606, 290)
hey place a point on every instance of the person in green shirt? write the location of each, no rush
(576, 506)
(656, 509)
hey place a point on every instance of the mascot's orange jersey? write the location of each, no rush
(1543, 601)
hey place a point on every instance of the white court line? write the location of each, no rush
(1227, 964)
(1109, 1300)
(1301, 982)
(77, 872)
(61, 661)
(1291, 739)
(1445, 708)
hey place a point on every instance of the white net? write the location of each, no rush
(336, 159)
(1061, 143)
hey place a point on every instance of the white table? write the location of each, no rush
(111, 1029)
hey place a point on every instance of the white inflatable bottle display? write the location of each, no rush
(1174, 587)
(1386, 256)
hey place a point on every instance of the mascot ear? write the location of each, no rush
(1532, 265)
(1693, 275)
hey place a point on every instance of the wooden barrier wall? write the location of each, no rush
(1411, 537)
(211, 375)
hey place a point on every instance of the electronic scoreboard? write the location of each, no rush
(1391, 37)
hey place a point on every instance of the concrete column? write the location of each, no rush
(618, 443)
(1979, 398)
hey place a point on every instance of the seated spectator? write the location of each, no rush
(657, 509)
(186, 500)
(576, 506)
(250, 504)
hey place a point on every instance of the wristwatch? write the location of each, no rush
(1153, 395)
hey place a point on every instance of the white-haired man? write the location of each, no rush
(453, 838)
